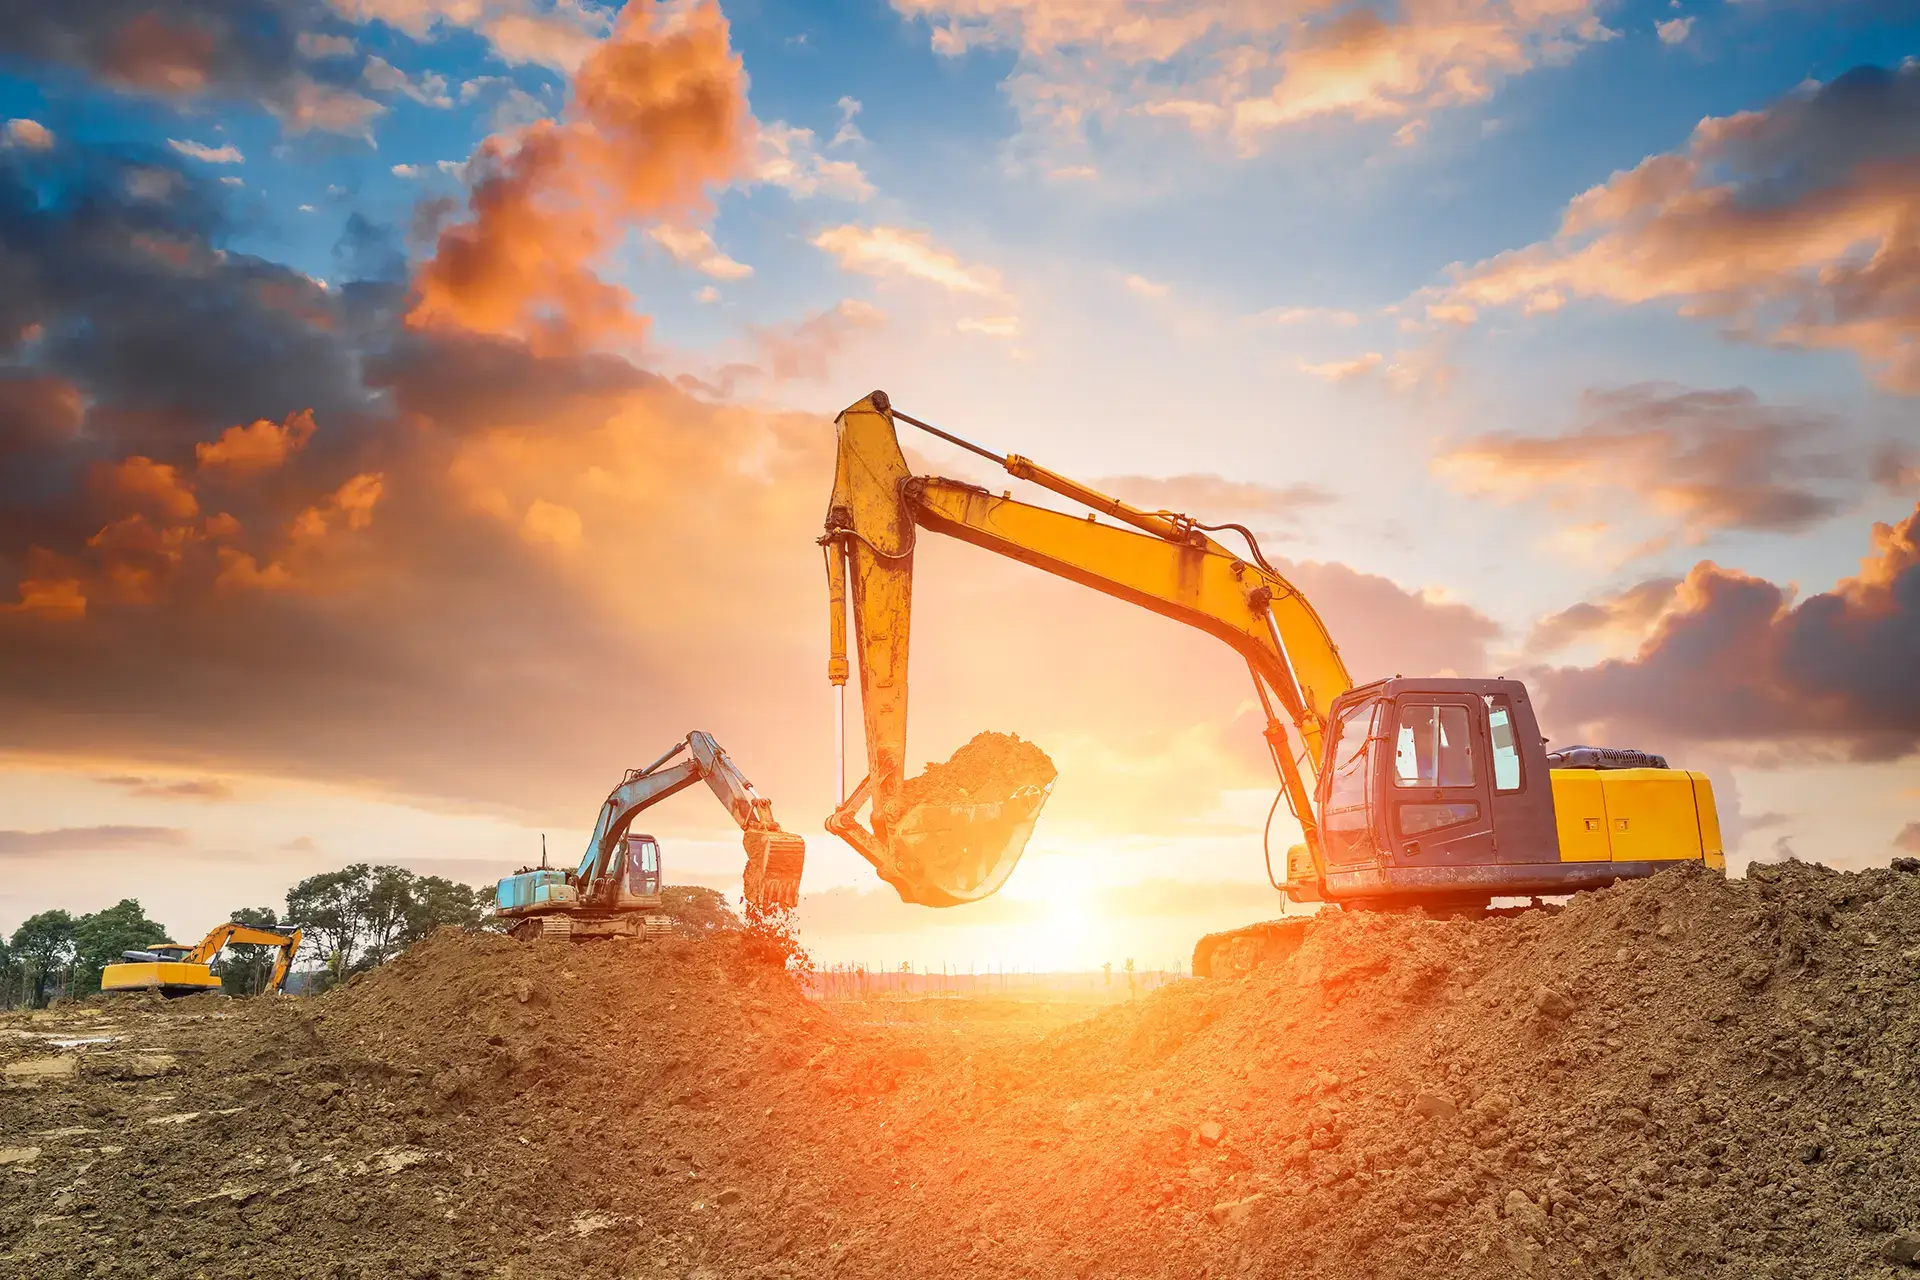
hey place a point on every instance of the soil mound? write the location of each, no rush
(990, 766)
(1680, 1077)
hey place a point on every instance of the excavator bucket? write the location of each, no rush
(954, 833)
(775, 860)
(949, 853)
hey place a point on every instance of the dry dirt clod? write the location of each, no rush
(989, 767)
(1552, 1004)
(1903, 1247)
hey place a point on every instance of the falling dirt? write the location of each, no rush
(1680, 1077)
(991, 766)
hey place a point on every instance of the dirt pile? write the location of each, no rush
(1685, 1076)
(989, 767)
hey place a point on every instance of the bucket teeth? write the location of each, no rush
(775, 860)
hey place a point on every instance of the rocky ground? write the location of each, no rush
(1682, 1077)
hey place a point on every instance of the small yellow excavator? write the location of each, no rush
(1410, 793)
(615, 892)
(176, 969)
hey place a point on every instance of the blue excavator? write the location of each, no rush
(615, 892)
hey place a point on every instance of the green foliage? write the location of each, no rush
(101, 936)
(248, 965)
(362, 916)
(698, 910)
(42, 946)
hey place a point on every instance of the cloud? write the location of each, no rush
(30, 134)
(207, 789)
(897, 252)
(14, 844)
(1345, 370)
(1302, 315)
(1895, 467)
(658, 117)
(1627, 614)
(847, 133)
(260, 446)
(990, 326)
(1791, 226)
(1708, 461)
(694, 248)
(1674, 30)
(790, 158)
(429, 89)
(806, 349)
(1213, 498)
(1244, 69)
(1736, 660)
(225, 154)
(258, 51)
(1147, 288)
(560, 35)
(315, 45)
(1909, 838)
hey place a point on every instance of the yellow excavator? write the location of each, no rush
(1410, 793)
(177, 969)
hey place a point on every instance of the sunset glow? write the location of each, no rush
(417, 416)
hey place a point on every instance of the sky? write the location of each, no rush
(413, 413)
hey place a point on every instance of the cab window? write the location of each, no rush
(1433, 747)
(1506, 751)
(1348, 786)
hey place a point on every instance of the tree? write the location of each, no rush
(43, 945)
(362, 916)
(332, 908)
(101, 936)
(437, 902)
(249, 964)
(698, 910)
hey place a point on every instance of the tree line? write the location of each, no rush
(354, 919)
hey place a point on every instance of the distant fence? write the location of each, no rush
(859, 982)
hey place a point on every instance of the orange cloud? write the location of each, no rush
(1792, 226)
(1246, 68)
(1734, 659)
(902, 253)
(1626, 614)
(658, 116)
(259, 447)
(154, 486)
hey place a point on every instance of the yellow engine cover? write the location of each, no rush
(173, 976)
(1636, 815)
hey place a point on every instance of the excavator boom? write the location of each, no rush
(1165, 562)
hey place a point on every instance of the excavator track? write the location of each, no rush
(1234, 953)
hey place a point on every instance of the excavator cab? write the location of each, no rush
(1441, 792)
(643, 865)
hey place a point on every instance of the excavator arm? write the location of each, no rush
(774, 857)
(285, 940)
(1165, 562)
